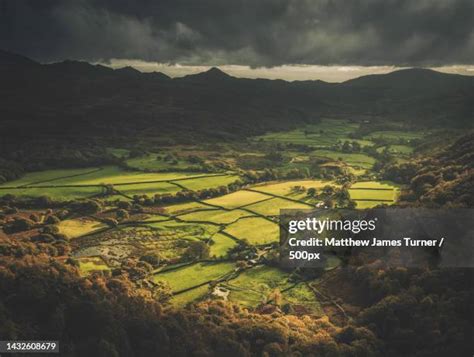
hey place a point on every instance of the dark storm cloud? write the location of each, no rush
(248, 32)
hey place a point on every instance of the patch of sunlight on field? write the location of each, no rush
(371, 204)
(195, 274)
(374, 185)
(237, 199)
(368, 194)
(189, 231)
(355, 159)
(115, 175)
(216, 216)
(302, 296)
(322, 134)
(73, 228)
(38, 177)
(183, 208)
(402, 149)
(156, 162)
(397, 149)
(208, 182)
(189, 296)
(155, 217)
(220, 245)
(272, 207)
(254, 286)
(362, 142)
(395, 135)
(56, 194)
(148, 189)
(357, 171)
(91, 264)
(256, 231)
(377, 195)
(287, 188)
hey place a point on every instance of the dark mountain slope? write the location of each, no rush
(75, 100)
(12, 59)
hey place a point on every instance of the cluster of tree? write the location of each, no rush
(10, 170)
(30, 202)
(184, 195)
(416, 311)
(256, 162)
(18, 158)
(110, 315)
(329, 171)
(444, 178)
(332, 196)
(408, 311)
(242, 251)
(347, 146)
(104, 316)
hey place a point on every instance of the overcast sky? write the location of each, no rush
(253, 38)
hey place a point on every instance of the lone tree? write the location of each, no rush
(122, 214)
(197, 251)
(311, 192)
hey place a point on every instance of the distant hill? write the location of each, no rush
(12, 59)
(74, 100)
(212, 75)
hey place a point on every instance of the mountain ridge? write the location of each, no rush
(215, 73)
(79, 99)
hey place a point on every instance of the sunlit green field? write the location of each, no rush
(355, 159)
(149, 189)
(73, 228)
(58, 193)
(194, 275)
(215, 215)
(237, 199)
(288, 188)
(273, 206)
(112, 175)
(208, 182)
(92, 264)
(49, 176)
(183, 208)
(157, 162)
(256, 230)
(397, 149)
(369, 194)
(394, 135)
(189, 296)
(220, 245)
(255, 285)
(326, 133)
(65, 185)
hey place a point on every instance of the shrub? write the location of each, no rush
(19, 225)
(43, 238)
(122, 214)
(50, 229)
(52, 220)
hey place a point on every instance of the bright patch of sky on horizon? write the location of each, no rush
(285, 72)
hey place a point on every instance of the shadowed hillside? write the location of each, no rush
(80, 100)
